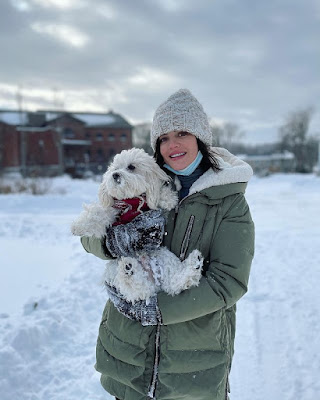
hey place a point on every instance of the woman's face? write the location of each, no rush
(178, 149)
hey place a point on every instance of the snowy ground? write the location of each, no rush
(51, 297)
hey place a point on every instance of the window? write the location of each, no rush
(111, 137)
(123, 137)
(99, 137)
(87, 136)
(68, 133)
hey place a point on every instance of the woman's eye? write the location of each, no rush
(183, 133)
(131, 167)
(162, 140)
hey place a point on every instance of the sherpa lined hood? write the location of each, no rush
(233, 171)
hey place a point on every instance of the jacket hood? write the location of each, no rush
(233, 171)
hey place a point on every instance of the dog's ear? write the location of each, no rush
(104, 197)
(156, 178)
(168, 196)
(153, 193)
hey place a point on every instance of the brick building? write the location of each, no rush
(52, 143)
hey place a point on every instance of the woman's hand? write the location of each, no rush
(144, 233)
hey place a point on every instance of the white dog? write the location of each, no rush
(135, 174)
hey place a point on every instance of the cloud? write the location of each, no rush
(130, 56)
(60, 4)
(21, 5)
(27, 5)
(171, 5)
(64, 33)
(152, 79)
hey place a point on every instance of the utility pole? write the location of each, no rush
(23, 144)
(58, 99)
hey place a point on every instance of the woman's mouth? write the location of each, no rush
(177, 155)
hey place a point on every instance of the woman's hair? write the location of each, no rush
(209, 159)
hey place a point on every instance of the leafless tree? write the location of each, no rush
(227, 135)
(294, 137)
(141, 137)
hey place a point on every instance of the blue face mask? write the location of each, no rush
(189, 169)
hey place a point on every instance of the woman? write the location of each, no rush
(181, 347)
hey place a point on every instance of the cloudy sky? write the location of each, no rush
(248, 62)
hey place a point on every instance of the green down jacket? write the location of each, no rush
(195, 349)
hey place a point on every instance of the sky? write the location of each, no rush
(248, 62)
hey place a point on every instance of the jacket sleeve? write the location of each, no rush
(96, 247)
(226, 279)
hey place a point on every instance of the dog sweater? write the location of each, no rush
(129, 209)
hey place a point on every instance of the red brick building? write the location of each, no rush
(52, 143)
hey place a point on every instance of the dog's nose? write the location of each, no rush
(116, 177)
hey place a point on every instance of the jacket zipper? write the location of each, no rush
(229, 359)
(185, 242)
(153, 383)
(227, 388)
(152, 387)
(186, 239)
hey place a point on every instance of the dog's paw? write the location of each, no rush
(198, 259)
(133, 280)
(93, 221)
(128, 269)
(178, 276)
(195, 260)
(127, 265)
(192, 269)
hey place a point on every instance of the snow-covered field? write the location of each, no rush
(51, 297)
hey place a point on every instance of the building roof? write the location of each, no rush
(90, 119)
(14, 117)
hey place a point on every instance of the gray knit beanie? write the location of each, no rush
(181, 112)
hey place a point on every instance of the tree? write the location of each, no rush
(294, 137)
(141, 137)
(227, 135)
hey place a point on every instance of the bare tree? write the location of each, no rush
(227, 135)
(294, 137)
(141, 137)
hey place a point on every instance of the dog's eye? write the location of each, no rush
(131, 167)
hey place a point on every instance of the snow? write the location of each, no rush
(14, 117)
(95, 119)
(90, 119)
(76, 142)
(286, 155)
(52, 297)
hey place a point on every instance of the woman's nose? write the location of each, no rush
(173, 143)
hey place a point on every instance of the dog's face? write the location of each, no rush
(132, 173)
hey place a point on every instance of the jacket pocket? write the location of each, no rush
(186, 238)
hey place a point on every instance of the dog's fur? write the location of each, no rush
(146, 177)
(132, 173)
(142, 277)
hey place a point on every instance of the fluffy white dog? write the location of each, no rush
(135, 174)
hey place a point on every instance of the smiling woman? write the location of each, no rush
(182, 346)
(178, 149)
